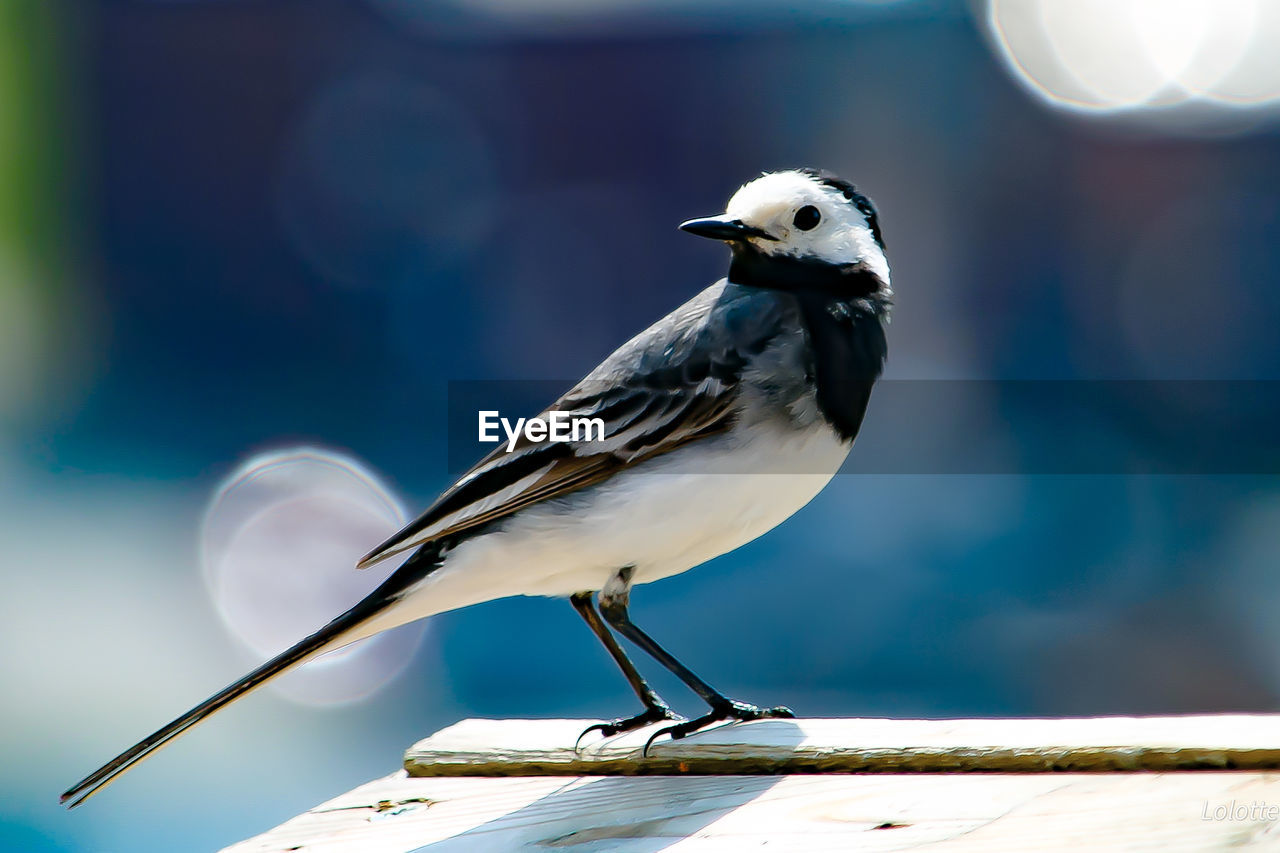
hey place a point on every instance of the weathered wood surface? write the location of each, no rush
(728, 814)
(546, 747)
(887, 810)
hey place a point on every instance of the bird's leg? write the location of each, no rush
(614, 600)
(654, 708)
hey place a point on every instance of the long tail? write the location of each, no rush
(331, 636)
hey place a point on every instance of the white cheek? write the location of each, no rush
(870, 253)
(834, 247)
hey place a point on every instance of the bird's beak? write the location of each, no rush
(722, 228)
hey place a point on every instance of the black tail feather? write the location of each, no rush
(300, 652)
(421, 563)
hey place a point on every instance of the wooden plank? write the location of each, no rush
(948, 813)
(546, 747)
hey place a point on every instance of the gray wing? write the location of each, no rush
(675, 383)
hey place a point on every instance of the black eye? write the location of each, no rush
(807, 218)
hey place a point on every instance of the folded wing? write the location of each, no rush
(674, 384)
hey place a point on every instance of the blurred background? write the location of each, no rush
(245, 246)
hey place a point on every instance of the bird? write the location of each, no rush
(722, 420)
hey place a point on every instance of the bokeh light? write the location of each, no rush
(278, 548)
(1192, 62)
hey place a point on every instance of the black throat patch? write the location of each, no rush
(844, 309)
(782, 272)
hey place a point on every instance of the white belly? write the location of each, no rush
(663, 518)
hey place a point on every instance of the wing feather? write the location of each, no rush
(502, 483)
(672, 385)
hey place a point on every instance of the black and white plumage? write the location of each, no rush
(722, 419)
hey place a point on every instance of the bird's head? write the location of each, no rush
(801, 229)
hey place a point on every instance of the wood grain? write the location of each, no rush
(545, 747)
(518, 785)
(946, 813)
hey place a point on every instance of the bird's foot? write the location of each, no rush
(730, 710)
(653, 714)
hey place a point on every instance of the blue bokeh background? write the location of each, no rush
(230, 227)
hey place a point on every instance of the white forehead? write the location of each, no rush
(781, 192)
(843, 237)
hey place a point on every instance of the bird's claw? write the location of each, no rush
(731, 710)
(650, 715)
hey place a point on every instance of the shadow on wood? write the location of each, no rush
(638, 815)
(497, 785)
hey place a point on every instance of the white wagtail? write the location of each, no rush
(722, 419)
